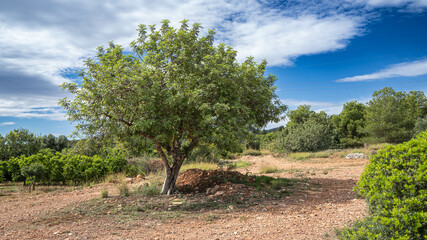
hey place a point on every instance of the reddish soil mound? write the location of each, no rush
(196, 180)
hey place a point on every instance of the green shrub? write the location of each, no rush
(3, 171)
(395, 186)
(104, 193)
(116, 160)
(205, 153)
(269, 169)
(238, 164)
(63, 168)
(123, 188)
(253, 141)
(310, 136)
(366, 229)
(149, 190)
(308, 155)
(33, 173)
(2, 177)
(14, 169)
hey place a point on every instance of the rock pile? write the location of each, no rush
(210, 182)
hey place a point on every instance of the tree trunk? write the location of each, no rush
(170, 179)
(171, 172)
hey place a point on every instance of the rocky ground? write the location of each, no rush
(320, 201)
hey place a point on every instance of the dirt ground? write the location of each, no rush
(313, 213)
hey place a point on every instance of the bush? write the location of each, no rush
(63, 168)
(367, 229)
(104, 193)
(3, 171)
(116, 160)
(395, 186)
(310, 136)
(253, 141)
(269, 169)
(149, 190)
(123, 189)
(33, 173)
(205, 153)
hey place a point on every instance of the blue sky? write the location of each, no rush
(324, 53)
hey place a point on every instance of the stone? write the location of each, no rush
(355, 156)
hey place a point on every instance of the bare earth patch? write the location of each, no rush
(327, 203)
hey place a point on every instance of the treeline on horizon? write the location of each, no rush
(389, 117)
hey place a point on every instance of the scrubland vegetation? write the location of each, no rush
(200, 118)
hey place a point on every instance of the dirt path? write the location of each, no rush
(311, 214)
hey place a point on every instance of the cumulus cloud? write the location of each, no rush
(6, 124)
(31, 107)
(281, 39)
(411, 5)
(41, 41)
(406, 69)
(328, 107)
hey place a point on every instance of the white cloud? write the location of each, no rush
(328, 107)
(280, 39)
(6, 124)
(406, 69)
(278, 124)
(42, 39)
(38, 107)
(409, 4)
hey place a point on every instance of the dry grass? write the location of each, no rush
(269, 169)
(251, 152)
(123, 188)
(199, 165)
(104, 193)
(115, 177)
(308, 155)
(238, 164)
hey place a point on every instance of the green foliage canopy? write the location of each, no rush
(391, 115)
(351, 123)
(19, 142)
(306, 131)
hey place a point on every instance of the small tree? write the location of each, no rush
(176, 89)
(391, 115)
(351, 124)
(309, 136)
(33, 173)
(306, 131)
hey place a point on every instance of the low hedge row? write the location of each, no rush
(63, 168)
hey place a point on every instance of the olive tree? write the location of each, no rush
(174, 88)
